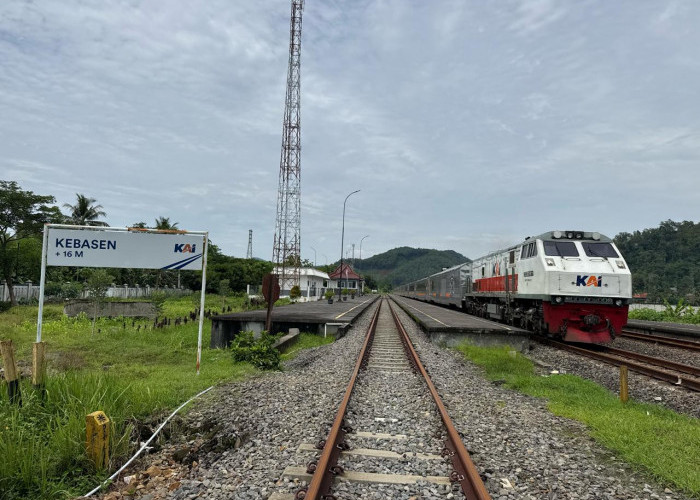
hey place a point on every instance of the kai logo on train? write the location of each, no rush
(584, 280)
(185, 248)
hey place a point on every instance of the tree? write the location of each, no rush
(224, 290)
(22, 215)
(97, 284)
(84, 212)
(163, 223)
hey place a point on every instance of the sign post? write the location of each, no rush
(93, 246)
(271, 292)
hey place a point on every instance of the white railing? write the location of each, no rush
(25, 292)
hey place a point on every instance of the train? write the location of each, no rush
(571, 285)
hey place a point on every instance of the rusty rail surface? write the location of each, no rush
(465, 470)
(326, 468)
(659, 339)
(673, 378)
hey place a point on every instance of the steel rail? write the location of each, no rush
(663, 363)
(659, 339)
(326, 468)
(649, 371)
(465, 470)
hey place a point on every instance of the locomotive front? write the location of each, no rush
(587, 286)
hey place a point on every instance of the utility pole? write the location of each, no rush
(286, 249)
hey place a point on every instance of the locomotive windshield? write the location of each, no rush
(560, 249)
(599, 250)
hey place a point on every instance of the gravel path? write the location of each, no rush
(237, 442)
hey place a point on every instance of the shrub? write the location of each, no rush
(258, 352)
(295, 292)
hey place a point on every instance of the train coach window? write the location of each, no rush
(599, 250)
(511, 257)
(560, 249)
(529, 250)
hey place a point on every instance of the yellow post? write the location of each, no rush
(38, 366)
(97, 427)
(624, 395)
(11, 372)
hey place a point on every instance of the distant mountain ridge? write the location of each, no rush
(405, 264)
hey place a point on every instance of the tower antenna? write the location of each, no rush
(286, 250)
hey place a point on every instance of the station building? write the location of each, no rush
(345, 278)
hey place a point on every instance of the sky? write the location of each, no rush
(466, 125)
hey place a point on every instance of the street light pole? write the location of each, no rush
(342, 241)
(312, 248)
(361, 280)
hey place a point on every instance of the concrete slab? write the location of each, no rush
(369, 477)
(450, 327)
(317, 317)
(372, 452)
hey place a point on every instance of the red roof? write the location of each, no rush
(348, 273)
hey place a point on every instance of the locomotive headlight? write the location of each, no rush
(549, 261)
(620, 264)
(556, 234)
(618, 302)
(558, 300)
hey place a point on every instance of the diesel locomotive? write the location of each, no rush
(574, 285)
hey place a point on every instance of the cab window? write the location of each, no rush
(560, 249)
(599, 250)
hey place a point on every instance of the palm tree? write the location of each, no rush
(164, 223)
(84, 212)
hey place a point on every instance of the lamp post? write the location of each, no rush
(312, 248)
(342, 241)
(361, 280)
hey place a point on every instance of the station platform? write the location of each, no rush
(684, 329)
(317, 317)
(450, 327)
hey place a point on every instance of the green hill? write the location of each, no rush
(405, 264)
(665, 261)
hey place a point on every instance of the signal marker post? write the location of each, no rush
(91, 246)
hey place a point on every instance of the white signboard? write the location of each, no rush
(135, 249)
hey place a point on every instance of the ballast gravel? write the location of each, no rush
(237, 441)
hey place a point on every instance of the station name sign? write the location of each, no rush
(124, 249)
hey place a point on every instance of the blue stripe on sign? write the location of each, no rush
(182, 263)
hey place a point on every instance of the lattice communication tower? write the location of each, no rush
(286, 250)
(249, 255)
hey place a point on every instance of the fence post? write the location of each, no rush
(39, 367)
(624, 395)
(11, 372)
(97, 440)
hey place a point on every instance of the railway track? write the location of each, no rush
(389, 365)
(660, 339)
(661, 369)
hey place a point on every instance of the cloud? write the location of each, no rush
(466, 125)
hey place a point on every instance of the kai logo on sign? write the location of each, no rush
(589, 280)
(185, 248)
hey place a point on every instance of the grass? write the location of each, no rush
(128, 372)
(649, 437)
(306, 341)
